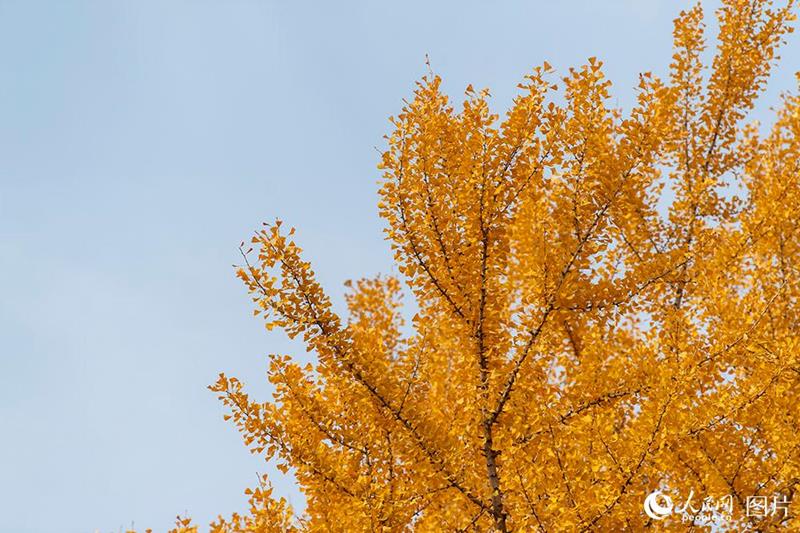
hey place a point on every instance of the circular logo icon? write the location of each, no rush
(657, 505)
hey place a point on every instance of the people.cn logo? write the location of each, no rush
(657, 505)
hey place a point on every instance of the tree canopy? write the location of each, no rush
(606, 305)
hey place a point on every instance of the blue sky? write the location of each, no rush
(141, 141)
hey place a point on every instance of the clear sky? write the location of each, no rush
(140, 141)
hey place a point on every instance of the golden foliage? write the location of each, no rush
(574, 347)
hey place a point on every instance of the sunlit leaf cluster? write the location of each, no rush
(605, 303)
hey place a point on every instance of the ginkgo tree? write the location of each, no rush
(607, 304)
